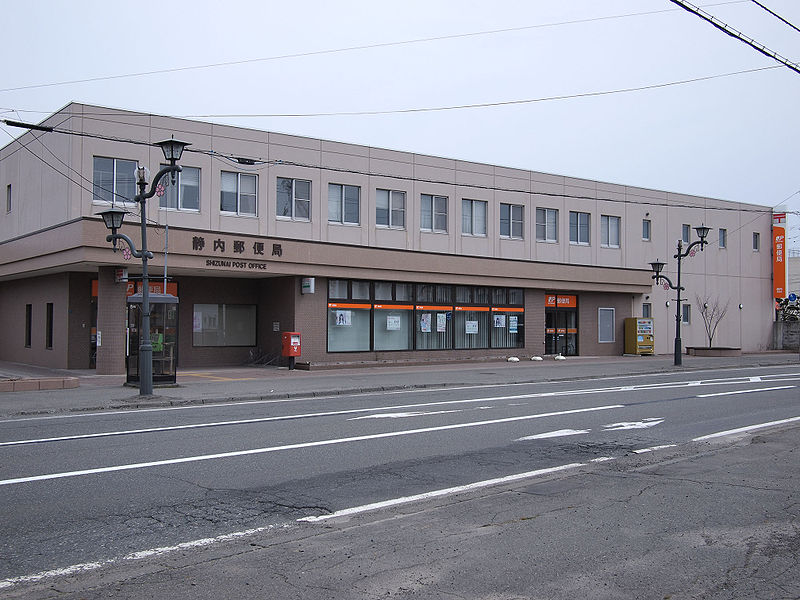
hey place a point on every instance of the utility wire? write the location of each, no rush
(343, 50)
(736, 34)
(776, 15)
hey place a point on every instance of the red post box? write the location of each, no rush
(290, 343)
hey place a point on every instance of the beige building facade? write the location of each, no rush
(372, 255)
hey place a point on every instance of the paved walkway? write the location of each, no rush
(99, 392)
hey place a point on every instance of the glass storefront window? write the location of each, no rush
(224, 325)
(434, 328)
(392, 326)
(508, 329)
(348, 328)
(471, 328)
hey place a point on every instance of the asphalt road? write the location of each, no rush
(96, 489)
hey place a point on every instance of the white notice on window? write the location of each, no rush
(441, 322)
(425, 322)
(197, 322)
(500, 321)
(512, 323)
(344, 318)
(392, 322)
(471, 327)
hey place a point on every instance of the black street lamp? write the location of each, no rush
(113, 219)
(658, 266)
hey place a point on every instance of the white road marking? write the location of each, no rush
(439, 493)
(643, 424)
(602, 459)
(755, 380)
(732, 393)
(405, 415)
(212, 405)
(654, 448)
(83, 567)
(553, 434)
(744, 429)
(254, 451)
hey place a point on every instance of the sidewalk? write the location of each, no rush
(101, 392)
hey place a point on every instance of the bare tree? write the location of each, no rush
(712, 311)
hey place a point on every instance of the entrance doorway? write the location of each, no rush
(561, 325)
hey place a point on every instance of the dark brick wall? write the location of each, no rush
(588, 303)
(111, 323)
(79, 320)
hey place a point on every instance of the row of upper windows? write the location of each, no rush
(115, 178)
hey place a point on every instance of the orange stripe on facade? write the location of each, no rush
(338, 305)
(394, 306)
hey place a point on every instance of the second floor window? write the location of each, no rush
(185, 194)
(646, 229)
(344, 204)
(579, 228)
(238, 193)
(546, 225)
(723, 238)
(113, 180)
(756, 241)
(8, 198)
(390, 208)
(433, 213)
(294, 199)
(512, 218)
(609, 231)
(473, 217)
(686, 233)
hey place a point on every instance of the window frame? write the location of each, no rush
(294, 201)
(433, 215)
(723, 238)
(756, 241)
(116, 195)
(511, 221)
(342, 203)
(28, 325)
(546, 213)
(576, 240)
(686, 233)
(8, 199)
(391, 209)
(179, 191)
(472, 220)
(49, 325)
(600, 322)
(647, 310)
(238, 212)
(647, 230)
(686, 314)
(605, 231)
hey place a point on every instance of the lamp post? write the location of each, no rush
(113, 219)
(658, 266)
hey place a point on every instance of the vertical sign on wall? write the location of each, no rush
(779, 255)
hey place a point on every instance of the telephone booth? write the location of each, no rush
(163, 337)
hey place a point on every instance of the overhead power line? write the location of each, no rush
(736, 34)
(776, 15)
(342, 50)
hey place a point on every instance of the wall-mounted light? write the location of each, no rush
(666, 303)
(741, 306)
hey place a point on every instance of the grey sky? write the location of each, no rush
(732, 137)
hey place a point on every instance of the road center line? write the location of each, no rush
(744, 429)
(734, 392)
(439, 493)
(358, 438)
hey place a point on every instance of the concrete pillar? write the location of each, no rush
(111, 321)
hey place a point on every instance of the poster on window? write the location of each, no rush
(344, 318)
(513, 320)
(392, 322)
(500, 321)
(470, 327)
(441, 322)
(425, 322)
(197, 322)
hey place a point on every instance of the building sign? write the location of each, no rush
(155, 287)
(779, 255)
(554, 301)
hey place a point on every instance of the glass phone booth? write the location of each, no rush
(163, 337)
